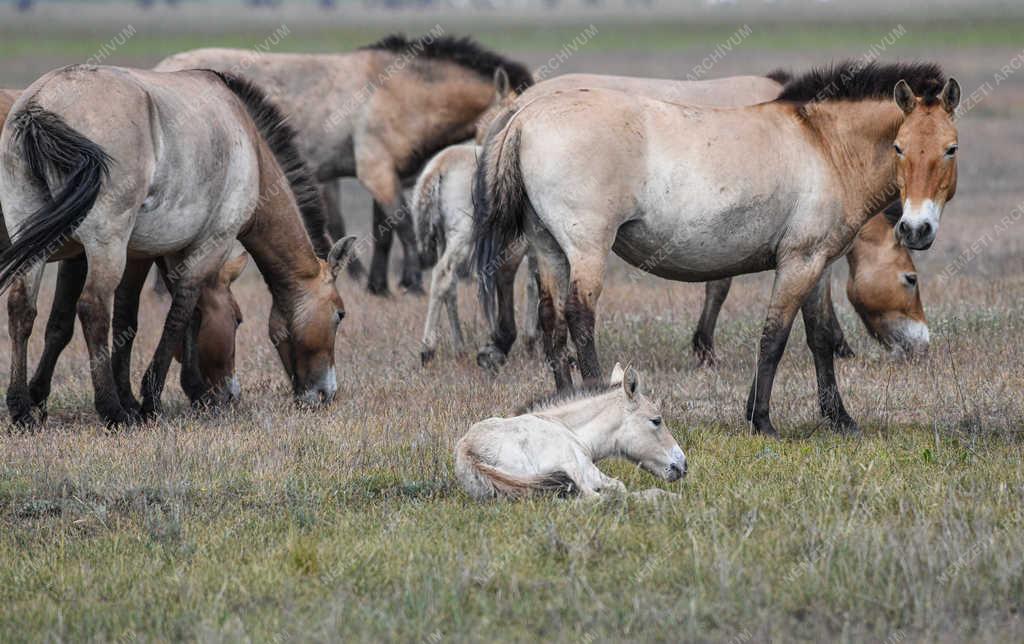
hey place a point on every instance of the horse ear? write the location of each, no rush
(617, 374)
(631, 383)
(950, 95)
(232, 269)
(502, 86)
(904, 97)
(339, 253)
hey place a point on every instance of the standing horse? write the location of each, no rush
(888, 298)
(376, 114)
(553, 446)
(714, 193)
(121, 164)
(208, 357)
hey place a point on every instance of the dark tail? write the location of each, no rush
(780, 76)
(499, 201)
(52, 149)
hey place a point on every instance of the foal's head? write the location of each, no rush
(304, 336)
(643, 437)
(883, 288)
(925, 149)
(219, 316)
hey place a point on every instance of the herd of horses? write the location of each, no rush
(111, 170)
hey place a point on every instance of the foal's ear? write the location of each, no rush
(502, 86)
(631, 383)
(617, 374)
(904, 97)
(339, 253)
(950, 95)
(232, 269)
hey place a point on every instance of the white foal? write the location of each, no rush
(554, 447)
(442, 207)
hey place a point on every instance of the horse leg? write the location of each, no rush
(820, 340)
(553, 279)
(442, 287)
(532, 322)
(330, 192)
(60, 328)
(183, 305)
(503, 325)
(125, 325)
(377, 173)
(586, 283)
(106, 266)
(839, 345)
(715, 293)
(21, 311)
(794, 279)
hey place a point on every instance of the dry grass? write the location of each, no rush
(274, 524)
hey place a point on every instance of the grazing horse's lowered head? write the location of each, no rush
(215, 325)
(884, 290)
(925, 148)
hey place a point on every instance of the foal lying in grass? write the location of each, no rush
(554, 447)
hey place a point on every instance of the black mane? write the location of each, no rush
(465, 52)
(280, 137)
(553, 400)
(851, 80)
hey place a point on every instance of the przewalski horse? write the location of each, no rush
(207, 159)
(883, 295)
(713, 193)
(377, 114)
(208, 355)
(553, 446)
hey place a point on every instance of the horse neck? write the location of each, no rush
(876, 236)
(593, 421)
(277, 240)
(856, 137)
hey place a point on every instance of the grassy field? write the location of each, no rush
(268, 523)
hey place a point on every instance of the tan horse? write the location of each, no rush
(376, 114)
(714, 193)
(207, 159)
(208, 373)
(553, 447)
(904, 327)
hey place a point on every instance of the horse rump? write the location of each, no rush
(52, 148)
(482, 481)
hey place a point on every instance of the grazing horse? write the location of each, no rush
(123, 164)
(892, 301)
(211, 346)
(554, 446)
(714, 193)
(376, 114)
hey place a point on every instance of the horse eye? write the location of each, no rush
(238, 322)
(656, 421)
(339, 316)
(951, 150)
(899, 150)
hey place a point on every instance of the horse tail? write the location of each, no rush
(499, 201)
(780, 76)
(426, 208)
(483, 481)
(53, 151)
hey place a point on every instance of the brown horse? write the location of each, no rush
(882, 286)
(714, 193)
(377, 114)
(210, 348)
(117, 163)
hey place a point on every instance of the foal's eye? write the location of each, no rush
(238, 322)
(339, 316)
(951, 150)
(899, 150)
(656, 421)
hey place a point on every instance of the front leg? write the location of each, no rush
(794, 279)
(60, 327)
(21, 313)
(715, 293)
(442, 287)
(816, 310)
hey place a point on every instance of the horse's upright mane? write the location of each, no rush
(550, 401)
(465, 52)
(280, 137)
(852, 81)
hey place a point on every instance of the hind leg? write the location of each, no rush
(21, 311)
(442, 290)
(820, 340)
(126, 323)
(553, 285)
(715, 293)
(503, 326)
(586, 281)
(60, 328)
(531, 323)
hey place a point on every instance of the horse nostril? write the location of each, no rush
(904, 228)
(926, 230)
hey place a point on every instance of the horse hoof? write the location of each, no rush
(412, 288)
(426, 356)
(846, 427)
(27, 416)
(377, 288)
(706, 359)
(530, 344)
(843, 350)
(490, 359)
(766, 429)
